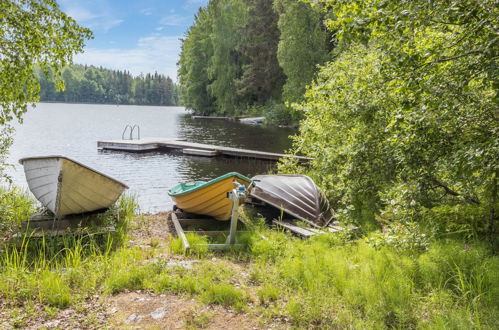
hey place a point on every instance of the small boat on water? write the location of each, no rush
(65, 186)
(296, 195)
(208, 198)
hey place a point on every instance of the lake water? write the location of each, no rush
(73, 130)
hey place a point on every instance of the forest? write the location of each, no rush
(90, 84)
(253, 56)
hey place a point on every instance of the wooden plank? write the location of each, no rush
(211, 233)
(209, 117)
(197, 222)
(200, 152)
(148, 144)
(334, 229)
(41, 232)
(295, 229)
(180, 231)
(219, 247)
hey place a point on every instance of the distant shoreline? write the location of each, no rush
(141, 105)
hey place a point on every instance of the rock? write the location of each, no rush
(158, 313)
(130, 319)
(52, 324)
(113, 310)
(187, 264)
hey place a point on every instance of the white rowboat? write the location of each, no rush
(65, 186)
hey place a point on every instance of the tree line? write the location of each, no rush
(90, 84)
(252, 56)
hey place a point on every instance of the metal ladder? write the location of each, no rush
(132, 129)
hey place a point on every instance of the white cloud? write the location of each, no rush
(80, 14)
(100, 17)
(153, 53)
(174, 20)
(197, 2)
(146, 11)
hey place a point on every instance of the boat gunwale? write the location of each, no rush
(22, 160)
(207, 183)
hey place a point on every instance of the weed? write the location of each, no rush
(15, 206)
(53, 289)
(198, 320)
(50, 312)
(154, 242)
(198, 245)
(268, 293)
(223, 294)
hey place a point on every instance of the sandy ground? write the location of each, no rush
(140, 310)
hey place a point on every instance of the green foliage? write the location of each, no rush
(230, 63)
(223, 294)
(197, 243)
(54, 290)
(406, 236)
(15, 207)
(224, 66)
(406, 113)
(132, 279)
(303, 45)
(33, 32)
(88, 84)
(195, 55)
(198, 320)
(262, 78)
(268, 293)
(321, 282)
(269, 245)
(339, 286)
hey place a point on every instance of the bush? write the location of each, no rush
(15, 207)
(406, 236)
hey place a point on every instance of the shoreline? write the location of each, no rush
(89, 103)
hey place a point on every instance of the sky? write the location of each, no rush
(139, 36)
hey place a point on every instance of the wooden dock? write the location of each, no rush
(155, 144)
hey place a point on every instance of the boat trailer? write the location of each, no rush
(181, 219)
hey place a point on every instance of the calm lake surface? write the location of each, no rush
(73, 130)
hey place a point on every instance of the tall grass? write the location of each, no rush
(328, 281)
(15, 206)
(59, 270)
(328, 284)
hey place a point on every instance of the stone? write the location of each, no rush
(158, 313)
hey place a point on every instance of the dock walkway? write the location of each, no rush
(154, 144)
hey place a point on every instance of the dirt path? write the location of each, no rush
(149, 311)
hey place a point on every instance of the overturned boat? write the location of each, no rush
(65, 186)
(296, 195)
(208, 198)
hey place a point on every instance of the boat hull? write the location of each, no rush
(296, 195)
(66, 187)
(208, 198)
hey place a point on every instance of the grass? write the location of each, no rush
(223, 294)
(15, 206)
(198, 320)
(329, 281)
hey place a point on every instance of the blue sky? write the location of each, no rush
(139, 36)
